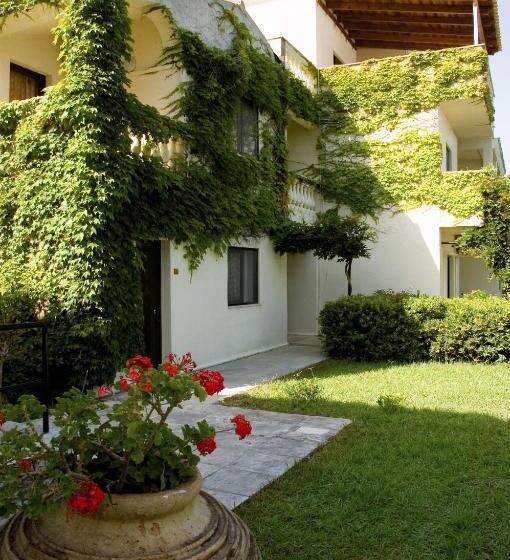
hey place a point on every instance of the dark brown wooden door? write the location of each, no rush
(151, 279)
(25, 83)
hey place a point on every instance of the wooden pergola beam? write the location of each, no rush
(381, 6)
(412, 38)
(401, 46)
(415, 28)
(349, 18)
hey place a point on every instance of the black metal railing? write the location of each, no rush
(44, 382)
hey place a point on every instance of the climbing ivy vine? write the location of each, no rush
(379, 146)
(75, 202)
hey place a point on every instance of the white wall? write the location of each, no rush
(303, 294)
(201, 320)
(292, 19)
(448, 138)
(151, 83)
(331, 41)
(302, 146)
(305, 25)
(473, 275)
(407, 255)
(365, 53)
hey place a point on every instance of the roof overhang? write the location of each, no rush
(418, 24)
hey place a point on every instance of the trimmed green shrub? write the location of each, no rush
(372, 328)
(474, 329)
(403, 327)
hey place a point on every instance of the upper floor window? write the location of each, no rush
(247, 129)
(449, 159)
(25, 83)
(243, 276)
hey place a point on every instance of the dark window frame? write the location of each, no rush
(40, 79)
(243, 300)
(244, 126)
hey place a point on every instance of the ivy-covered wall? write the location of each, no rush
(74, 201)
(376, 149)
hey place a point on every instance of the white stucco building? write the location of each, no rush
(251, 299)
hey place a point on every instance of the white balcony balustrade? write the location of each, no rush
(303, 201)
(167, 152)
(295, 62)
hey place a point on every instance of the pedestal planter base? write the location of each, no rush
(180, 525)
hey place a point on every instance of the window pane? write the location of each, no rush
(250, 279)
(243, 276)
(234, 277)
(247, 129)
(250, 129)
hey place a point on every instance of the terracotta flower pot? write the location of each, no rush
(180, 524)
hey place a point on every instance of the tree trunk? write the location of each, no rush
(348, 274)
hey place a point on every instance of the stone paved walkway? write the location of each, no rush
(239, 469)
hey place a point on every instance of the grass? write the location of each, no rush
(425, 476)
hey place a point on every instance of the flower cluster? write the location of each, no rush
(173, 364)
(242, 426)
(207, 446)
(212, 381)
(26, 464)
(136, 369)
(88, 499)
(141, 362)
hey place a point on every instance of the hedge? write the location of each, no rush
(402, 327)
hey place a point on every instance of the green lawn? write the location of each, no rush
(428, 481)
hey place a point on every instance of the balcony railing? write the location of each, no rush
(302, 201)
(143, 146)
(295, 62)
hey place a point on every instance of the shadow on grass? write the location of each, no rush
(415, 483)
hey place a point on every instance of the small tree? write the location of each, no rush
(491, 241)
(331, 237)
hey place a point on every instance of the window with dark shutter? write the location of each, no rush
(243, 276)
(247, 129)
(25, 83)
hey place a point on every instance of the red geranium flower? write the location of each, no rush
(212, 381)
(134, 374)
(3, 419)
(171, 369)
(26, 464)
(243, 426)
(207, 446)
(124, 384)
(88, 499)
(142, 362)
(147, 386)
(103, 391)
(187, 364)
